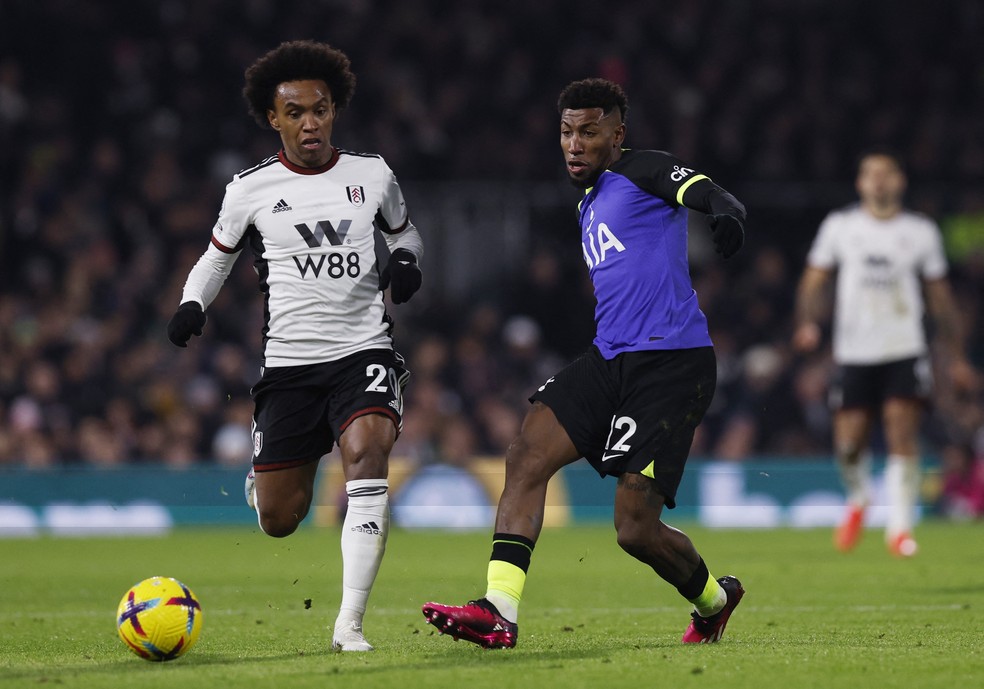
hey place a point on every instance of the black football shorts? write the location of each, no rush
(635, 413)
(301, 411)
(868, 386)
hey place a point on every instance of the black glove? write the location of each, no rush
(401, 275)
(727, 233)
(188, 320)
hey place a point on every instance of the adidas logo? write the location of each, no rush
(368, 528)
(281, 207)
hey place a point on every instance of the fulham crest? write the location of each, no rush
(356, 195)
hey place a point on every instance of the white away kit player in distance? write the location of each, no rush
(886, 258)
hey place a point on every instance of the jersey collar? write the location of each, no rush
(308, 170)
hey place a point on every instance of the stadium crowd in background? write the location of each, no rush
(115, 151)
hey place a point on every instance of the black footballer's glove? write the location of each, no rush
(401, 275)
(188, 320)
(727, 233)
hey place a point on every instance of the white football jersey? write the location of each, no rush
(311, 232)
(880, 266)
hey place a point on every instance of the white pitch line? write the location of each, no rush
(532, 611)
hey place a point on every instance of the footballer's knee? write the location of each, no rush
(651, 542)
(280, 524)
(632, 539)
(638, 535)
(365, 461)
(638, 528)
(526, 464)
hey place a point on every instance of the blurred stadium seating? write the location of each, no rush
(121, 124)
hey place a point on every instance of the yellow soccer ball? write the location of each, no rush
(159, 619)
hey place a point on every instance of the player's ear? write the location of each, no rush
(272, 119)
(619, 135)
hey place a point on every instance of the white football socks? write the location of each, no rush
(902, 493)
(856, 477)
(364, 534)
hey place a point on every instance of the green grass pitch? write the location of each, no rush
(592, 616)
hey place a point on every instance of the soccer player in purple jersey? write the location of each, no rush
(631, 403)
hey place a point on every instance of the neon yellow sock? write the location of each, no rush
(505, 588)
(712, 599)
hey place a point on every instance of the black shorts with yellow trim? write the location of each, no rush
(635, 413)
(301, 411)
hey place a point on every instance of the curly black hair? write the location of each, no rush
(593, 93)
(294, 61)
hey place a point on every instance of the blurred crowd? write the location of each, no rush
(121, 124)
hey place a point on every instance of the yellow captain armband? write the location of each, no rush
(686, 185)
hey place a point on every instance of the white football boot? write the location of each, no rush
(348, 636)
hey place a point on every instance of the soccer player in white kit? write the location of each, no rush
(311, 215)
(886, 257)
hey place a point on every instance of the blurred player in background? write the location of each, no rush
(885, 257)
(310, 215)
(631, 403)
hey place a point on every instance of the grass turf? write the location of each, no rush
(592, 616)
